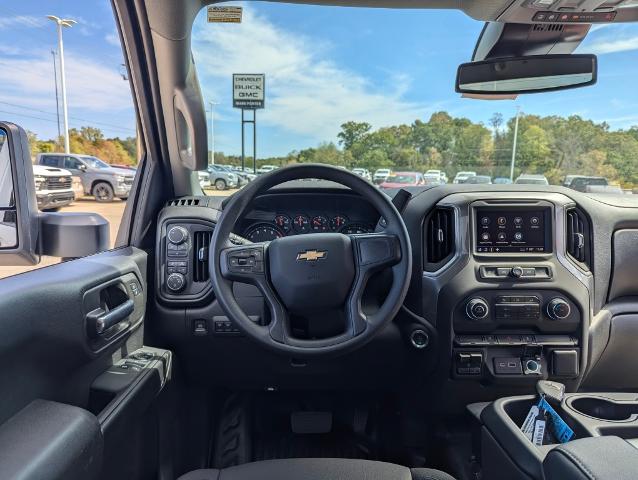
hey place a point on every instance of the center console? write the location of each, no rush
(521, 308)
(597, 419)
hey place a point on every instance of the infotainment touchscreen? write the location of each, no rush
(519, 230)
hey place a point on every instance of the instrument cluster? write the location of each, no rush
(299, 224)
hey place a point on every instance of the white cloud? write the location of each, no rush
(29, 81)
(603, 46)
(113, 38)
(307, 93)
(22, 21)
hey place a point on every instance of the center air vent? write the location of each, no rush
(439, 238)
(578, 244)
(201, 243)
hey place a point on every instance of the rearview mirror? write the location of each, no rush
(532, 74)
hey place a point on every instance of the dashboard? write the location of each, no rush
(506, 286)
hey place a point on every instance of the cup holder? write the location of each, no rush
(604, 409)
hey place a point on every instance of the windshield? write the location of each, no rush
(374, 89)
(95, 162)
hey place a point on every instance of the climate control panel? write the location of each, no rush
(543, 311)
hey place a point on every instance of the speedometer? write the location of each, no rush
(262, 232)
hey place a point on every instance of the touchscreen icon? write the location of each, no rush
(501, 220)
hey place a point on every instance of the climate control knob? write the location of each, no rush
(477, 309)
(177, 235)
(557, 309)
(175, 282)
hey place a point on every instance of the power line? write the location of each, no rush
(73, 117)
(33, 117)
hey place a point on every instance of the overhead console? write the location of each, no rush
(570, 11)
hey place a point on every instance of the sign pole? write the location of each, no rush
(255, 141)
(243, 150)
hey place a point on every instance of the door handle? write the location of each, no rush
(103, 320)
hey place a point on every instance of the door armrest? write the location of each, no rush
(50, 441)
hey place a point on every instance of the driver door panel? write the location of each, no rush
(55, 360)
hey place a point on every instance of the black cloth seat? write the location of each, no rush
(318, 469)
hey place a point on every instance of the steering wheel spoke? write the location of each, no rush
(247, 264)
(373, 253)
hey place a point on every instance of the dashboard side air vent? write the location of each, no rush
(578, 241)
(439, 238)
(201, 242)
(183, 202)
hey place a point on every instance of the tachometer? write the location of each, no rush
(355, 228)
(283, 223)
(263, 232)
(301, 224)
(319, 224)
(338, 222)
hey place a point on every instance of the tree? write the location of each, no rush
(352, 132)
(496, 120)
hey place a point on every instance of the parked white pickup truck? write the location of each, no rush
(53, 187)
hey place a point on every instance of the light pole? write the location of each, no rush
(57, 103)
(518, 113)
(67, 23)
(212, 131)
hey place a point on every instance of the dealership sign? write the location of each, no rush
(248, 90)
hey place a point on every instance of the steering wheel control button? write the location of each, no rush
(477, 309)
(246, 260)
(419, 339)
(558, 309)
(175, 282)
(177, 235)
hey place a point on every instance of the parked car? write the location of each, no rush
(222, 178)
(501, 181)
(363, 173)
(244, 176)
(482, 179)
(403, 179)
(581, 182)
(380, 175)
(433, 179)
(461, 177)
(266, 169)
(437, 173)
(204, 178)
(531, 179)
(99, 179)
(53, 187)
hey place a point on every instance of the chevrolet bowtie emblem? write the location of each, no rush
(311, 255)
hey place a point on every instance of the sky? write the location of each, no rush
(323, 66)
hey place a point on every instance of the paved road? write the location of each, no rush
(111, 211)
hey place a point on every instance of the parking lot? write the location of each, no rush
(110, 211)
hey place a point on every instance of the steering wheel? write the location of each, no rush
(308, 273)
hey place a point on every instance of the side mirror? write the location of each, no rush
(18, 204)
(26, 233)
(82, 167)
(531, 74)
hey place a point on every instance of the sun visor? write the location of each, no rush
(520, 39)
